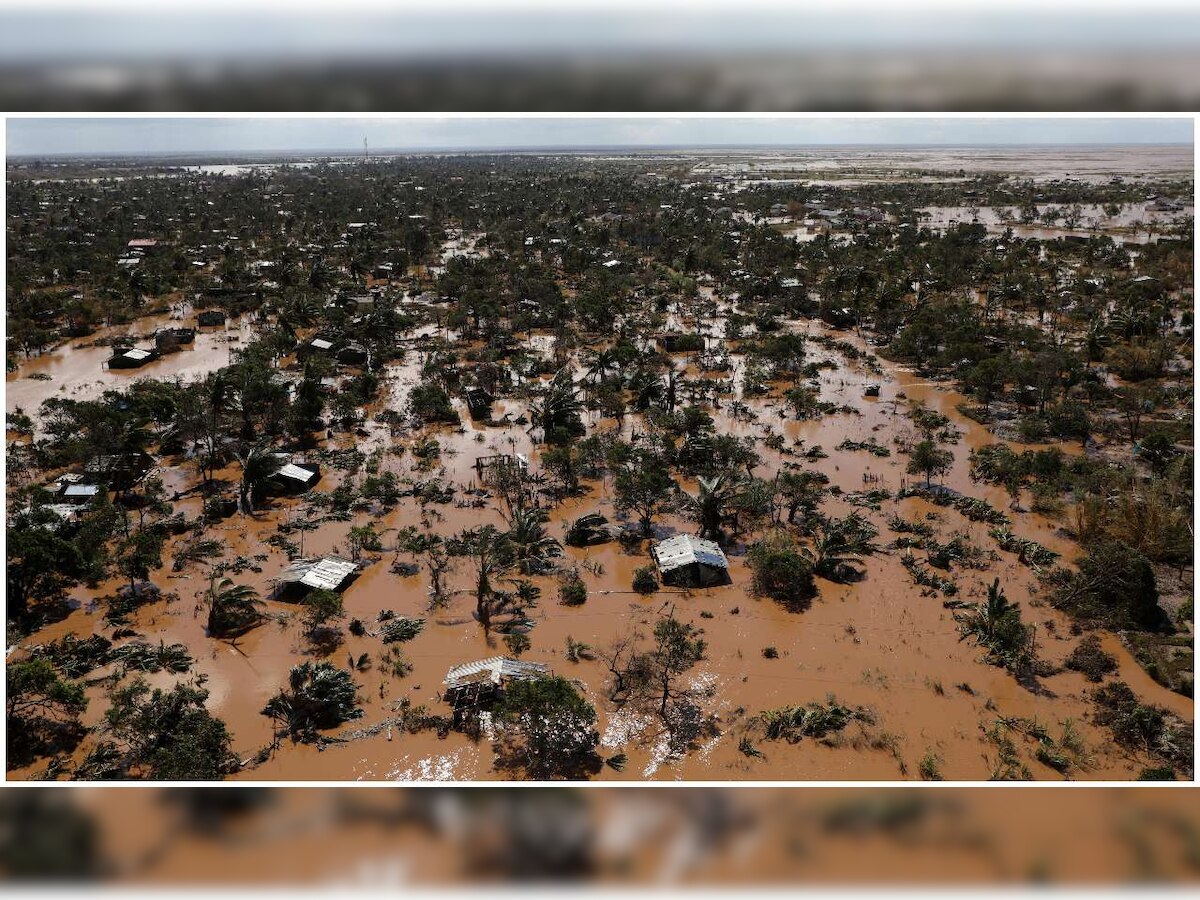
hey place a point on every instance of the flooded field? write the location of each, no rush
(523, 343)
(879, 643)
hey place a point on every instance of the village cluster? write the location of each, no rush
(711, 465)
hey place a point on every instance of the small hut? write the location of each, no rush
(130, 357)
(329, 573)
(479, 404)
(210, 317)
(477, 685)
(688, 561)
(296, 477)
(494, 469)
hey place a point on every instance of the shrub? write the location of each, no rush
(572, 591)
(549, 729)
(1114, 587)
(781, 572)
(645, 580)
(430, 403)
(1093, 662)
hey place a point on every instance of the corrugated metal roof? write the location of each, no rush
(326, 573)
(493, 669)
(321, 344)
(81, 490)
(136, 354)
(291, 470)
(685, 549)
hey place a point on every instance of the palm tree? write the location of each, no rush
(491, 552)
(318, 695)
(598, 363)
(258, 464)
(838, 543)
(532, 547)
(647, 389)
(996, 624)
(559, 406)
(233, 609)
(707, 506)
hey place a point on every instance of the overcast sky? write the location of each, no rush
(224, 135)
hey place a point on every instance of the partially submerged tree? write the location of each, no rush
(996, 626)
(928, 460)
(549, 730)
(644, 486)
(42, 710)
(233, 609)
(161, 735)
(782, 572)
(318, 696)
(259, 464)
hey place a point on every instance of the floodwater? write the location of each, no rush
(879, 643)
(77, 370)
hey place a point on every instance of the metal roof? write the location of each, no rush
(321, 344)
(494, 669)
(326, 573)
(81, 490)
(136, 353)
(291, 470)
(684, 549)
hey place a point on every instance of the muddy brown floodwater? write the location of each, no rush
(878, 643)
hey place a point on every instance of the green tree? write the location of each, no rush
(996, 625)
(318, 696)
(42, 710)
(644, 486)
(233, 609)
(781, 572)
(165, 735)
(678, 646)
(549, 728)
(928, 460)
(533, 549)
(259, 464)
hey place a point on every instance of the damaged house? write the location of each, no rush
(329, 573)
(477, 685)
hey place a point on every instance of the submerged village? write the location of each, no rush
(776, 465)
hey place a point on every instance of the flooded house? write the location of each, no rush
(78, 493)
(476, 685)
(329, 573)
(130, 358)
(680, 342)
(353, 354)
(168, 340)
(119, 471)
(295, 478)
(208, 318)
(495, 467)
(688, 561)
(318, 345)
(479, 404)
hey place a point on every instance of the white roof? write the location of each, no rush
(493, 669)
(611, 263)
(328, 572)
(291, 470)
(135, 353)
(685, 549)
(321, 344)
(81, 490)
